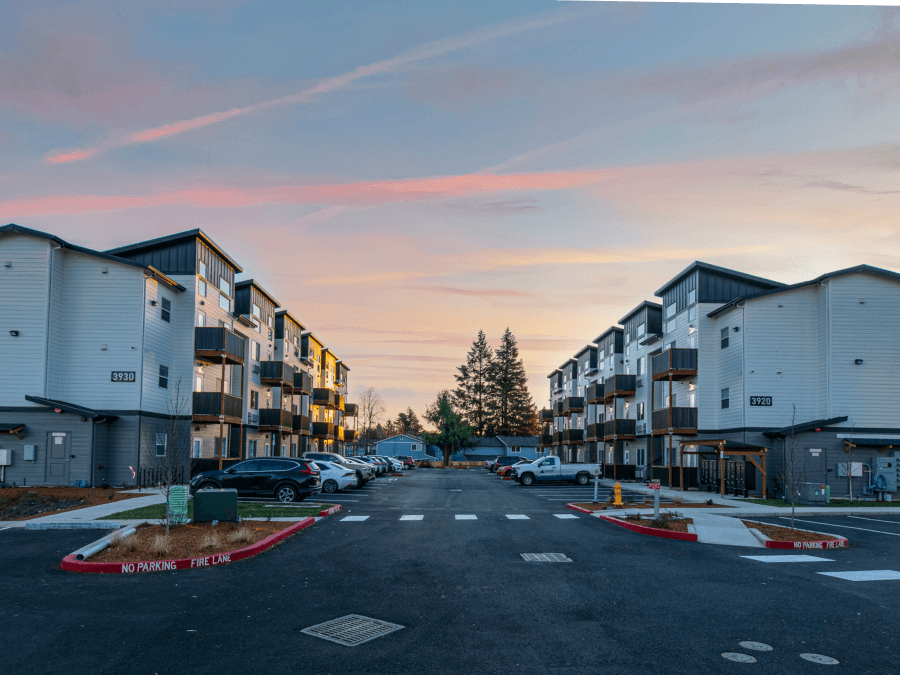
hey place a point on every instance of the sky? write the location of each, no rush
(401, 175)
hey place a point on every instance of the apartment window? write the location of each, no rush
(164, 377)
(640, 457)
(283, 450)
(692, 399)
(251, 448)
(296, 341)
(224, 303)
(640, 365)
(609, 456)
(628, 456)
(165, 310)
(267, 450)
(294, 450)
(198, 383)
(671, 345)
(254, 350)
(692, 340)
(669, 401)
(224, 286)
(670, 326)
(627, 350)
(201, 268)
(670, 310)
(269, 322)
(692, 313)
(222, 448)
(197, 448)
(201, 319)
(254, 400)
(201, 287)
(640, 410)
(692, 297)
(539, 451)
(160, 445)
(627, 338)
(270, 332)
(724, 335)
(725, 398)
(602, 354)
(256, 311)
(641, 329)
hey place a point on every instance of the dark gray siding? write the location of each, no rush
(37, 426)
(651, 317)
(216, 267)
(679, 292)
(713, 287)
(612, 343)
(178, 257)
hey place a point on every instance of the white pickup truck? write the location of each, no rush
(550, 468)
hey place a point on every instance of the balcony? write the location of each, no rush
(592, 431)
(351, 410)
(207, 408)
(618, 430)
(683, 421)
(558, 409)
(339, 433)
(573, 436)
(679, 364)
(326, 398)
(276, 419)
(212, 345)
(573, 404)
(301, 425)
(322, 430)
(619, 385)
(557, 437)
(349, 435)
(339, 402)
(302, 382)
(546, 440)
(276, 374)
(594, 393)
(545, 416)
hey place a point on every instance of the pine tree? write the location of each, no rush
(514, 413)
(451, 433)
(473, 391)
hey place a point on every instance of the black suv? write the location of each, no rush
(284, 478)
(503, 461)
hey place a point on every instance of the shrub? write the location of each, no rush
(664, 519)
(211, 540)
(159, 545)
(242, 535)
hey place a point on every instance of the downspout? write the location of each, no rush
(141, 390)
(744, 373)
(47, 323)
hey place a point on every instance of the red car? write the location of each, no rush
(407, 461)
(504, 470)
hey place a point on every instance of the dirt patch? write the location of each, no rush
(776, 533)
(590, 506)
(187, 541)
(674, 525)
(24, 503)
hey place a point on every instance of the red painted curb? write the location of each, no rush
(652, 531)
(71, 565)
(578, 508)
(505, 477)
(794, 545)
(328, 512)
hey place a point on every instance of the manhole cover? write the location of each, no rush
(545, 557)
(351, 630)
(740, 658)
(819, 658)
(756, 646)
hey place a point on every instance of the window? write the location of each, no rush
(670, 310)
(692, 297)
(415, 447)
(640, 365)
(293, 449)
(692, 313)
(296, 341)
(201, 319)
(669, 402)
(198, 383)
(724, 337)
(627, 350)
(201, 269)
(515, 449)
(201, 287)
(640, 410)
(725, 398)
(628, 456)
(224, 303)
(254, 350)
(641, 329)
(267, 450)
(223, 450)
(165, 310)
(164, 377)
(256, 311)
(269, 322)
(640, 457)
(251, 448)
(254, 400)
(283, 450)
(197, 448)
(224, 286)
(670, 326)
(692, 340)
(627, 338)
(539, 451)
(692, 399)
(160, 445)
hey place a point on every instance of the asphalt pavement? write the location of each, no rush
(440, 553)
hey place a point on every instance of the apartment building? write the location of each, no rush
(111, 357)
(732, 365)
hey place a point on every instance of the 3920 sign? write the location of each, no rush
(123, 376)
(761, 400)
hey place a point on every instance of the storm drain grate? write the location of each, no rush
(351, 630)
(545, 557)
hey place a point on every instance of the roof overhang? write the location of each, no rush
(802, 428)
(72, 409)
(262, 291)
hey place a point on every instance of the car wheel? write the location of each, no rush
(330, 486)
(360, 481)
(286, 493)
(209, 486)
(492, 469)
(527, 480)
(582, 479)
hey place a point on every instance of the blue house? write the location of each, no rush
(486, 448)
(406, 444)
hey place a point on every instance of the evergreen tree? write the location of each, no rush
(514, 413)
(408, 423)
(451, 432)
(473, 391)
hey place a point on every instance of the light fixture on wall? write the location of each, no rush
(858, 362)
(14, 333)
(154, 303)
(735, 329)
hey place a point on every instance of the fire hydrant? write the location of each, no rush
(618, 492)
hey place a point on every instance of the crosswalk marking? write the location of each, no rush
(466, 517)
(565, 515)
(786, 558)
(411, 517)
(354, 519)
(865, 575)
(518, 516)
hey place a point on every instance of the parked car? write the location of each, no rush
(368, 471)
(551, 469)
(505, 470)
(407, 461)
(503, 460)
(374, 463)
(364, 472)
(336, 477)
(283, 478)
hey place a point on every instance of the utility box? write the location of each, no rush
(883, 466)
(28, 455)
(210, 505)
(815, 494)
(5, 457)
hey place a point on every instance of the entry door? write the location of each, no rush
(58, 451)
(815, 466)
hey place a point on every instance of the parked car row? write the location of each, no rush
(543, 469)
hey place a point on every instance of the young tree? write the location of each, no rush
(451, 433)
(371, 408)
(851, 449)
(473, 395)
(172, 456)
(791, 474)
(514, 413)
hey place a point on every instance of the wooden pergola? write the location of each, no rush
(755, 453)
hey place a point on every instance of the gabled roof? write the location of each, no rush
(179, 236)
(520, 441)
(486, 442)
(611, 329)
(285, 313)
(72, 408)
(858, 269)
(263, 291)
(637, 309)
(723, 271)
(414, 439)
(586, 348)
(806, 426)
(12, 228)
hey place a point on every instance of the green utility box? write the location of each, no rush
(210, 505)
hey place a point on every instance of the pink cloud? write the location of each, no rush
(472, 292)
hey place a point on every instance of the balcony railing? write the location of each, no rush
(276, 419)
(339, 433)
(208, 407)
(301, 425)
(351, 410)
(592, 431)
(276, 374)
(619, 385)
(557, 437)
(679, 363)
(558, 408)
(619, 429)
(594, 393)
(546, 440)
(349, 435)
(325, 398)
(339, 402)
(573, 436)
(213, 344)
(573, 404)
(322, 430)
(545, 416)
(303, 382)
(683, 421)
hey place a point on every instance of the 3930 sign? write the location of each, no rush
(123, 376)
(761, 400)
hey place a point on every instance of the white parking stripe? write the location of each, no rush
(354, 519)
(846, 527)
(876, 520)
(867, 575)
(468, 517)
(518, 516)
(411, 517)
(786, 558)
(565, 515)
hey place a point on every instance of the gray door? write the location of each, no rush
(59, 445)
(815, 466)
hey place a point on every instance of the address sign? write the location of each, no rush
(123, 376)
(761, 400)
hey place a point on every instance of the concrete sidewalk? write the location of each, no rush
(714, 529)
(90, 513)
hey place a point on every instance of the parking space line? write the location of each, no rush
(565, 516)
(354, 519)
(866, 575)
(846, 527)
(782, 558)
(466, 517)
(517, 516)
(876, 520)
(411, 517)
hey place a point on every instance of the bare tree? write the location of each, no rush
(371, 408)
(850, 449)
(173, 457)
(792, 472)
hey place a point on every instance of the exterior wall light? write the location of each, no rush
(14, 333)
(858, 362)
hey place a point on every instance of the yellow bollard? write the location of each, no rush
(618, 492)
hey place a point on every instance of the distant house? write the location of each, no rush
(409, 445)
(524, 446)
(484, 448)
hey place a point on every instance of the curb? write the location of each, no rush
(578, 508)
(87, 525)
(651, 531)
(839, 542)
(328, 512)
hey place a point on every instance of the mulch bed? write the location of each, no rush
(590, 506)
(671, 526)
(188, 541)
(24, 503)
(776, 533)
